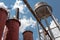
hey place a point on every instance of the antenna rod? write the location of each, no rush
(36, 17)
(17, 14)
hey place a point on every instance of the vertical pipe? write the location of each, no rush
(17, 14)
(36, 17)
(3, 18)
(49, 29)
(13, 29)
(28, 35)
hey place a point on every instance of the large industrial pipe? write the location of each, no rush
(3, 18)
(28, 35)
(13, 29)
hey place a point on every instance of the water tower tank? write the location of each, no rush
(3, 18)
(41, 9)
(28, 35)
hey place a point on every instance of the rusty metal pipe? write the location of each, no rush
(3, 18)
(28, 35)
(13, 29)
(25, 1)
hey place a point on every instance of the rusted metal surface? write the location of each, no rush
(28, 35)
(3, 18)
(13, 29)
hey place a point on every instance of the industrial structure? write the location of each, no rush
(3, 18)
(13, 29)
(28, 35)
(41, 12)
(11, 24)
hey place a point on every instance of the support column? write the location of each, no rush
(51, 34)
(54, 19)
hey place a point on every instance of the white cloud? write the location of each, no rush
(26, 23)
(2, 5)
(19, 4)
(52, 24)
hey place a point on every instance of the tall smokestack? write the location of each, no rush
(28, 35)
(13, 29)
(3, 18)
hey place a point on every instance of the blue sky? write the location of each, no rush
(55, 4)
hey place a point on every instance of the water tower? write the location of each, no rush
(38, 20)
(43, 11)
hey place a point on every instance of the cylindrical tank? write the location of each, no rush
(28, 35)
(13, 29)
(3, 18)
(41, 10)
